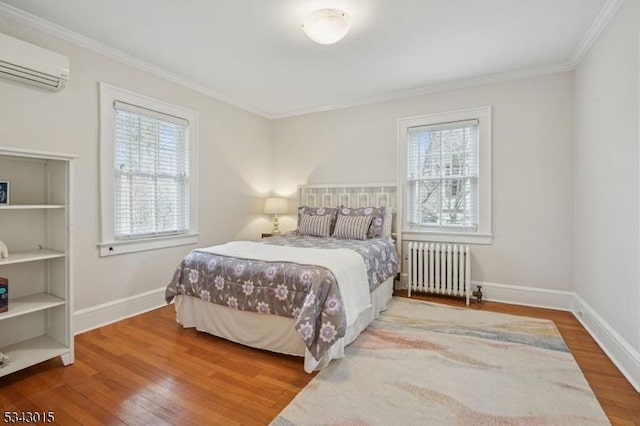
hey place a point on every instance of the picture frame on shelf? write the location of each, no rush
(5, 191)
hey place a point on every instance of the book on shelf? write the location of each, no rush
(4, 294)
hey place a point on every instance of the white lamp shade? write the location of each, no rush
(275, 205)
(326, 26)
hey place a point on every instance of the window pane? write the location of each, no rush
(453, 147)
(171, 193)
(430, 203)
(152, 176)
(454, 202)
(141, 200)
(425, 203)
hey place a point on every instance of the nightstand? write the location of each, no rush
(266, 235)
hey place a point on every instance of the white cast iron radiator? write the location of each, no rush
(440, 268)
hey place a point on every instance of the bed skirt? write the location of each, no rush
(273, 332)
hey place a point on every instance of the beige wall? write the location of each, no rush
(532, 168)
(565, 192)
(234, 164)
(606, 177)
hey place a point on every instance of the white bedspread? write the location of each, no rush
(346, 265)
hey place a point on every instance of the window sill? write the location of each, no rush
(121, 247)
(448, 237)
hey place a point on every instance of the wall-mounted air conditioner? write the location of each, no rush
(30, 64)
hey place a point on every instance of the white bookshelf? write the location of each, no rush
(32, 303)
(36, 227)
(31, 256)
(33, 351)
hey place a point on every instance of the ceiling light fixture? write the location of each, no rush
(326, 26)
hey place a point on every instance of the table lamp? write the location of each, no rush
(274, 206)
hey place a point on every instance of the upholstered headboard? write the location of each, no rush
(350, 195)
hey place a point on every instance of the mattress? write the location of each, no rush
(324, 293)
(274, 333)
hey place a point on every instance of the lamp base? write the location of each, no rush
(276, 229)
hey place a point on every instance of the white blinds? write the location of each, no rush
(151, 173)
(442, 175)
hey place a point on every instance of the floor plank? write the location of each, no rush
(149, 370)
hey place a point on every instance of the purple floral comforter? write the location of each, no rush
(379, 254)
(309, 294)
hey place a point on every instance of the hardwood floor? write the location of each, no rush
(149, 370)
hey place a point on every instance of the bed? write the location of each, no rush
(307, 293)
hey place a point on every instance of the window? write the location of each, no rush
(446, 175)
(148, 174)
(442, 175)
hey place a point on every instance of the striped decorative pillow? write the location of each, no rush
(352, 227)
(315, 226)
(377, 218)
(319, 211)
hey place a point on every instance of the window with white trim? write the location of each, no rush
(446, 175)
(148, 175)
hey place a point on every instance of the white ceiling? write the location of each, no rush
(253, 53)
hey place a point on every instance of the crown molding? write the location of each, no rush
(607, 12)
(73, 37)
(435, 88)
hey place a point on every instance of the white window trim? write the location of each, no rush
(108, 245)
(484, 234)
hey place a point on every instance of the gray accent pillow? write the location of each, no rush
(315, 226)
(332, 212)
(376, 214)
(352, 227)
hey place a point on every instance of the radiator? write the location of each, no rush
(439, 268)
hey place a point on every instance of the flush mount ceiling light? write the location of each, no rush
(326, 26)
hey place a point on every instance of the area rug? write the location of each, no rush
(423, 363)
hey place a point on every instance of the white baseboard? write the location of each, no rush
(617, 349)
(626, 358)
(517, 295)
(116, 310)
(526, 296)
